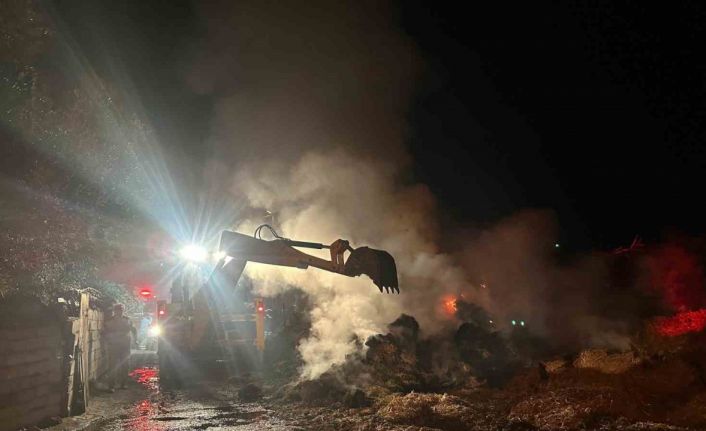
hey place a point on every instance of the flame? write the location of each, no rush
(448, 303)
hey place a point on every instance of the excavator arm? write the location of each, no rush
(376, 264)
(241, 249)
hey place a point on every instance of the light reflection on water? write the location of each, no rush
(186, 410)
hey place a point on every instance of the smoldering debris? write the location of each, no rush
(663, 391)
(476, 377)
(400, 361)
(310, 126)
(428, 410)
(601, 360)
(310, 117)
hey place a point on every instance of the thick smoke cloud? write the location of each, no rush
(573, 303)
(310, 117)
(361, 203)
(297, 76)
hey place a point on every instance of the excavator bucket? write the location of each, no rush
(379, 265)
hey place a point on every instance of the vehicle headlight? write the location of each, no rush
(155, 331)
(193, 253)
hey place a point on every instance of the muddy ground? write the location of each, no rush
(662, 395)
(218, 405)
(659, 384)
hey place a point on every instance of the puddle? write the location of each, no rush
(186, 409)
(170, 418)
(240, 415)
(146, 376)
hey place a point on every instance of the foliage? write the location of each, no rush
(68, 157)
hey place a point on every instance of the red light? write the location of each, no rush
(260, 308)
(146, 293)
(161, 312)
(681, 323)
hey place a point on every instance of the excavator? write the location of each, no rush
(194, 338)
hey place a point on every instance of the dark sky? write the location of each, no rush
(596, 111)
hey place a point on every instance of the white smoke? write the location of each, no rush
(311, 100)
(324, 197)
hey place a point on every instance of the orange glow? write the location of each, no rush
(448, 303)
(681, 323)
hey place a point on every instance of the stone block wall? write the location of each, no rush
(31, 384)
(95, 348)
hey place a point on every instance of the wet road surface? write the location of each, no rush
(180, 412)
(212, 405)
(209, 406)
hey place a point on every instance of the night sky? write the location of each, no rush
(595, 111)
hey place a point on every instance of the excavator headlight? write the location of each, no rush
(193, 253)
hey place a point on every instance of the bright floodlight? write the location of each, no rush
(155, 331)
(193, 253)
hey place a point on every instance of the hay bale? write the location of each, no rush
(652, 426)
(563, 409)
(486, 352)
(427, 410)
(405, 329)
(556, 366)
(601, 360)
(392, 364)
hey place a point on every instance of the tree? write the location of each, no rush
(68, 159)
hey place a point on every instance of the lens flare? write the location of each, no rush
(193, 253)
(155, 331)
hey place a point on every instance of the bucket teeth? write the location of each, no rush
(379, 265)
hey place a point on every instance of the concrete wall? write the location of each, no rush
(30, 375)
(37, 367)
